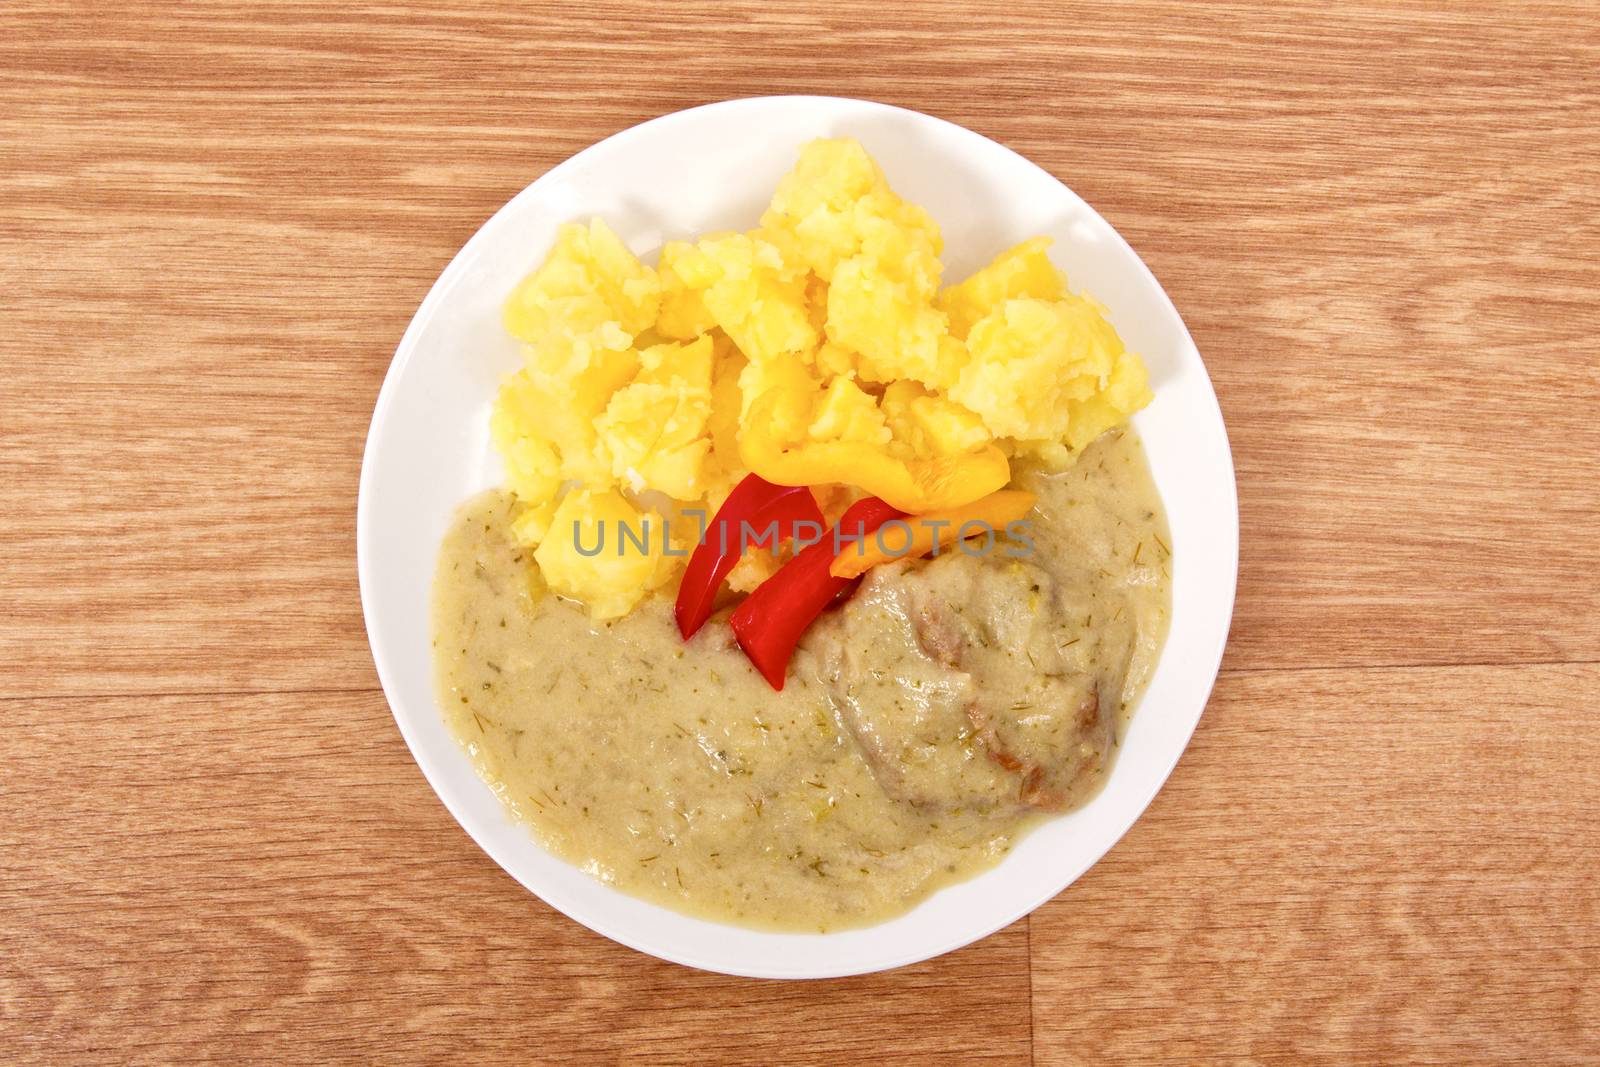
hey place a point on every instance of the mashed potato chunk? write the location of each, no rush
(653, 430)
(925, 423)
(836, 203)
(590, 286)
(876, 310)
(684, 314)
(877, 254)
(1024, 270)
(846, 413)
(570, 394)
(604, 551)
(757, 299)
(533, 465)
(1035, 366)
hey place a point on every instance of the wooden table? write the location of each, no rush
(1382, 226)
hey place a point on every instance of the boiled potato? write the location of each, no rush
(684, 314)
(1034, 363)
(846, 413)
(604, 551)
(757, 299)
(876, 312)
(653, 430)
(835, 202)
(1024, 270)
(925, 423)
(589, 284)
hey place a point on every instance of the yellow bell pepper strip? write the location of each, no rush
(994, 512)
(914, 485)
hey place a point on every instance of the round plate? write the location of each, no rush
(714, 168)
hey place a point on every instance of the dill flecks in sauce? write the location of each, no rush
(672, 771)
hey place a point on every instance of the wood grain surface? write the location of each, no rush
(1381, 223)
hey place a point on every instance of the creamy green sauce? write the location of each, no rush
(671, 771)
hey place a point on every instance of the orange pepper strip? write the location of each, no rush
(916, 485)
(995, 511)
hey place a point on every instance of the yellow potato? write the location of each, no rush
(825, 210)
(1031, 359)
(532, 522)
(757, 299)
(533, 466)
(834, 360)
(684, 315)
(1126, 391)
(926, 423)
(881, 316)
(567, 396)
(588, 282)
(846, 413)
(1024, 270)
(727, 401)
(753, 568)
(603, 551)
(795, 383)
(878, 255)
(653, 430)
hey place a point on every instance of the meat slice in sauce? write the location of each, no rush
(973, 683)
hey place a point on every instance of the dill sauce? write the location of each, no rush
(673, 772)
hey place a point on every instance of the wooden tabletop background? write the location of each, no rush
(1381, 224)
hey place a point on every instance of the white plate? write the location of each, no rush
(713, 168)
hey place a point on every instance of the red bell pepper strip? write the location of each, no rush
(758, 503)
(769, 623)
